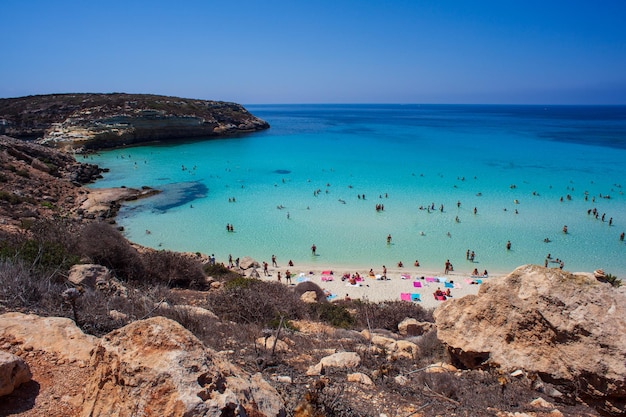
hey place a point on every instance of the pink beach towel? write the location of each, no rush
(327, 277)
(431, 279)
(405, 276)
(417, 284)
(405, 296)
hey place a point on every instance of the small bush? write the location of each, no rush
(613, 280)
(219, 272)
(389, 314)
(172, 269)
(104, 245)
(22, 289)
(333, 314)
(253, 301)
(10, 197)
(48, 247)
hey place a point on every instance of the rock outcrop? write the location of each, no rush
(13, 372)
(155, 367)
(152, 367)
(56, 335)
(97, 121)
(568, 329)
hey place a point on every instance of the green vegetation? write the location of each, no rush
(613, 280)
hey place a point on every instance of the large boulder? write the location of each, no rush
(55, 335)
(156, 367)
(247, 262)
(13, 372)
(89, 275)
(568, 329)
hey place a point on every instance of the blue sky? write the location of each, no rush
(336, 51)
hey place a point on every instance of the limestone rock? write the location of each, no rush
(56, 335)
(396, 348)
(440, 367)
(336, 360)
(247, 262)
(13, 372)
(268, 344)
(309, 297)
(194, 311)
(567, 327)
(360, 378)
(412, 327)
(155, 367)
(89, 275)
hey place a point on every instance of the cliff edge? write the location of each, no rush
(98, 121)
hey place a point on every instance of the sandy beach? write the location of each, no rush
(415, 281)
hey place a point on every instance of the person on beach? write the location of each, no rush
(384, 272)
(388, 239)
(288, 277)
(565, 229)
(265, 271)
(475, 210)
(230, 260)
(290, 263)
(313, 249)
(475, 272)
(416, 263)
(508, 245)
(447, 266)
(467, 254)
(278, 276)
(274, 261)
(400, 264)
(621, 237)
(472, 255)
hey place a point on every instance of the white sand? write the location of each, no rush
(381, 290)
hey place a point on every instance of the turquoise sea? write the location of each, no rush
(317, 175)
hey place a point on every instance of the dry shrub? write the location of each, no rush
(106, 246)
(478, 390)
(245, 300)
(47, 246)
(23, 289)
(388, 315)
(431, 348)
(172, 269)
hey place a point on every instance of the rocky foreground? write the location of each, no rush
(555, 342)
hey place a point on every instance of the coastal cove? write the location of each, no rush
(317, 175)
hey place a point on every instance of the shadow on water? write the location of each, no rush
(171, 196)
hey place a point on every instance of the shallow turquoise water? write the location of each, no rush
(404, 157)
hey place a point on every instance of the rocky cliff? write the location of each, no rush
(566, 329)
(96, 121)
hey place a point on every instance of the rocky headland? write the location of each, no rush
(92, 337)
(98, 121)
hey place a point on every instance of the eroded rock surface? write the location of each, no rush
(155, 367)
(569, 329)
